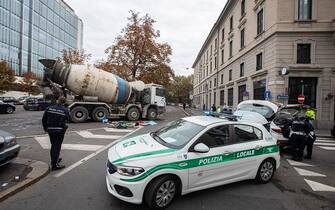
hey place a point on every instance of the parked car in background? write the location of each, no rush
(6, 108)
(283, 116)
(265, 108)
(36, 104)
(21, 100)
(10, 100)
(9, 149)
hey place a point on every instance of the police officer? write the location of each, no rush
(54, 122)
(310, 115)
(297, 137)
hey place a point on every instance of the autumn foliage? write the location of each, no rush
(136, 54)
(75, 56)
(28, 82)
(7, 76)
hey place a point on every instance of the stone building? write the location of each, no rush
(251, 43)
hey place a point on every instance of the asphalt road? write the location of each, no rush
(82, 184)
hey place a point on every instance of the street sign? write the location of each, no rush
(301, 99)
(267, 94)
(282, 97)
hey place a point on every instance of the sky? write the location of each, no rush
(184, 24)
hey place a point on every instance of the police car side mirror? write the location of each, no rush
(201, 148)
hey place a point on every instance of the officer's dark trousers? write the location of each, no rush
(56, 140)
(309, 146)
(298, 145)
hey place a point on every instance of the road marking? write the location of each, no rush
(78, 163)
(325, 141)
(44, 141)
(324, 144)
(295, 163)
(328, 148)
(88, 134)
(316, 186)
(118, 130)
(304, 172)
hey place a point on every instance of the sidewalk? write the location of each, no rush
(19, 174)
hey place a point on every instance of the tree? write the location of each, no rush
(7, 76)
(75, 56)
(136, 54)
(28, 81)
(179, 89)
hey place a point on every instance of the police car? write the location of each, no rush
(188, 155)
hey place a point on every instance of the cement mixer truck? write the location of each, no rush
(96, 94)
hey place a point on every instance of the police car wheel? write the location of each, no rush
(161, 192)
(265, 171)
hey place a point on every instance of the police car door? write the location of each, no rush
(211, 168)
(247, 150)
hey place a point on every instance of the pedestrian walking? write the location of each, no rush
(54, 122)
(203, 107)
(310, 115)
(184, 105)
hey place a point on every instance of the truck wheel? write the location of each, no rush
(99, 113)
(9, 110)
(133, 114)
(79, 114)
(152, 114)
(161, 192)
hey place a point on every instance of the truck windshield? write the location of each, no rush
(160, 92)
(177, 133)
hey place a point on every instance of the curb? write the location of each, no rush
(40, 170)
(324, 136)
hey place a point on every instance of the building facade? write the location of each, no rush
(253, 40)
(34, 29)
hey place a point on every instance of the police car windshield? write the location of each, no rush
(177, 133)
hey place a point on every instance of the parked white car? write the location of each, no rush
(188, 155)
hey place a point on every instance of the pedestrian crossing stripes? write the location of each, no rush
(325, 143)
(114, 134)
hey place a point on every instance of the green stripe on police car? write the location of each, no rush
(216, 159)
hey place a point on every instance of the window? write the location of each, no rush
(177, 133)
(221, 78)
(304, 53)
(216, 43)
(305, 9)
(230, 75)
(242, 39)
(160, 92)
(260, 22)
(214, 82)
(259, 61)
(222, 34)
(222, 97)
(241, 90)
(241, 69)
(222, 57)
(216, 137)
(210, 84)
(231, 49)
(231, 23)
(210, 67)
(243, 8)
(245, 133)
(230, 96)
(211, 49)
(215, 62)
